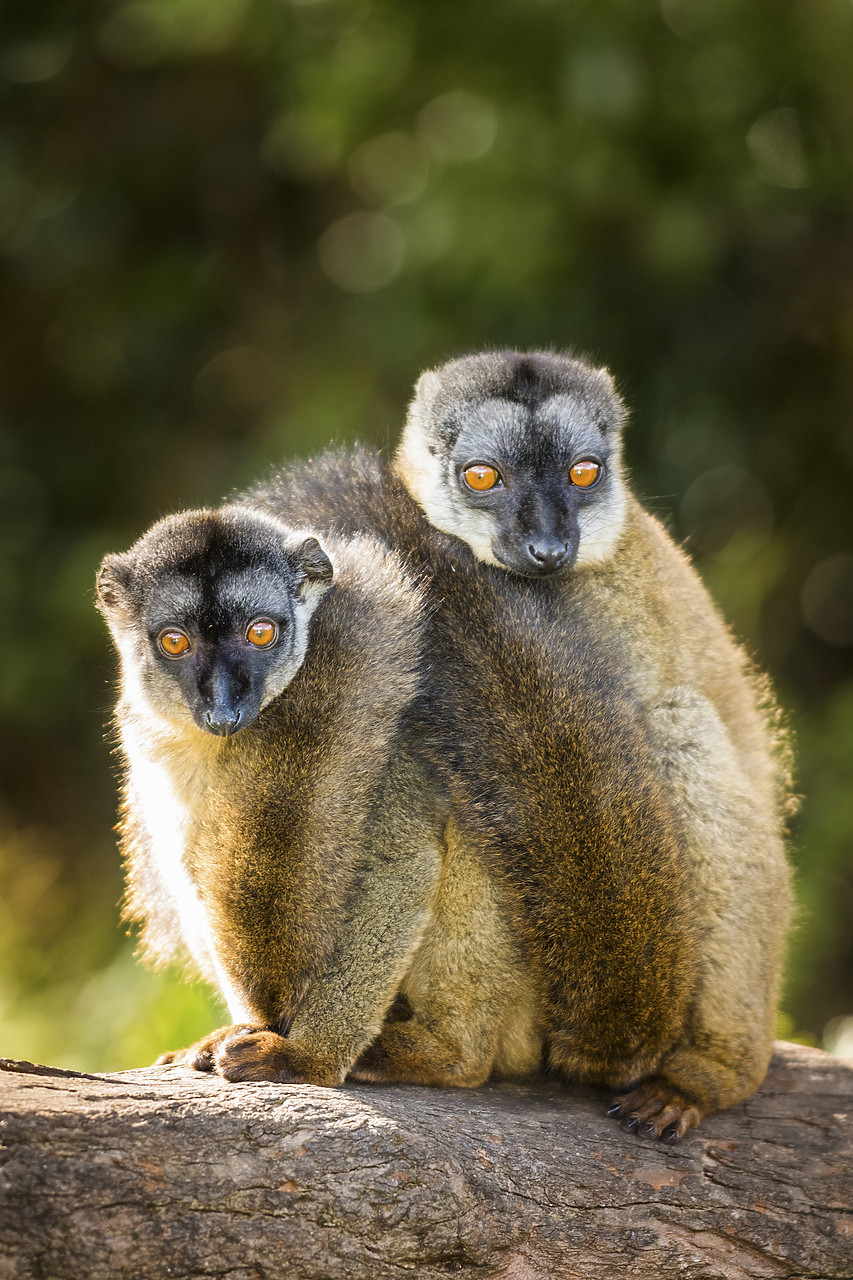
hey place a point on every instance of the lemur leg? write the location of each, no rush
(466, 1006)
(741, 878)
(343, 1006)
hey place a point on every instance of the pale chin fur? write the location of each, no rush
(422, 474)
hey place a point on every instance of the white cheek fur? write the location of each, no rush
(601, 527)
(278, 680)
(168, 705)
(423, 475)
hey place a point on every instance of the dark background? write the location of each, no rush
(234, 230)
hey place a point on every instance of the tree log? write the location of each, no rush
(167, 1173)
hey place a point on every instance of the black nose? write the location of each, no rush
(547, 558)
(222, 722)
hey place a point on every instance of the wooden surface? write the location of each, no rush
(167, 1173)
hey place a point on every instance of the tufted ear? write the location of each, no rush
(113, 583)
(314, 562)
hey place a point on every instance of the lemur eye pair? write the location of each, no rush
(175, 643)
(481, 477)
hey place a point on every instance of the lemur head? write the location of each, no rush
(519, 456)
(209, 611)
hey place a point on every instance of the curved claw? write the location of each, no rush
(664, 1113)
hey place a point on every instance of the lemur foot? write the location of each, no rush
(656, 1109)
(252, 1054)
(200, 1056)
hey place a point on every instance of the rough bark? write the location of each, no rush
(167, 1173)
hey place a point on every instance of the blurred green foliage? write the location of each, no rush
(237, 230)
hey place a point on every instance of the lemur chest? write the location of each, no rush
(168, 791)
(174, 784)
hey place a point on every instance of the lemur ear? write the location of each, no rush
(112, 581)
(617, 414)
(314, 562)
(426, 388)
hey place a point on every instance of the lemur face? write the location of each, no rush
(210, 614)
(519, 457)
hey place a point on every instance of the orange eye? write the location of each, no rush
(262, 633)
(585, 473)
(481, 476)
(174, 643)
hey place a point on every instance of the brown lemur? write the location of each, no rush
(273, 807)
(576, 660)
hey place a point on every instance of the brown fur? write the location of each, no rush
(725, 759)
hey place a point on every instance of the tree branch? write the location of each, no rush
(166, 1173)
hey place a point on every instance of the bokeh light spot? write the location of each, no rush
(826, 599)
(605, 82)
(362, 252)
(307, 144)
(35, 61)
(727, 507)
(241, 379)
(146, 32)
(838, 1037)
(391, 169)
(776, 143)
(458, 126)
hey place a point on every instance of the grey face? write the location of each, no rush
(220, 640)
(519, 455)
(536, 472)
(210, 615)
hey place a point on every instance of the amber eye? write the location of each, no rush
(262, 633)
(481, 476)
(585, 473)
(174, 643)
